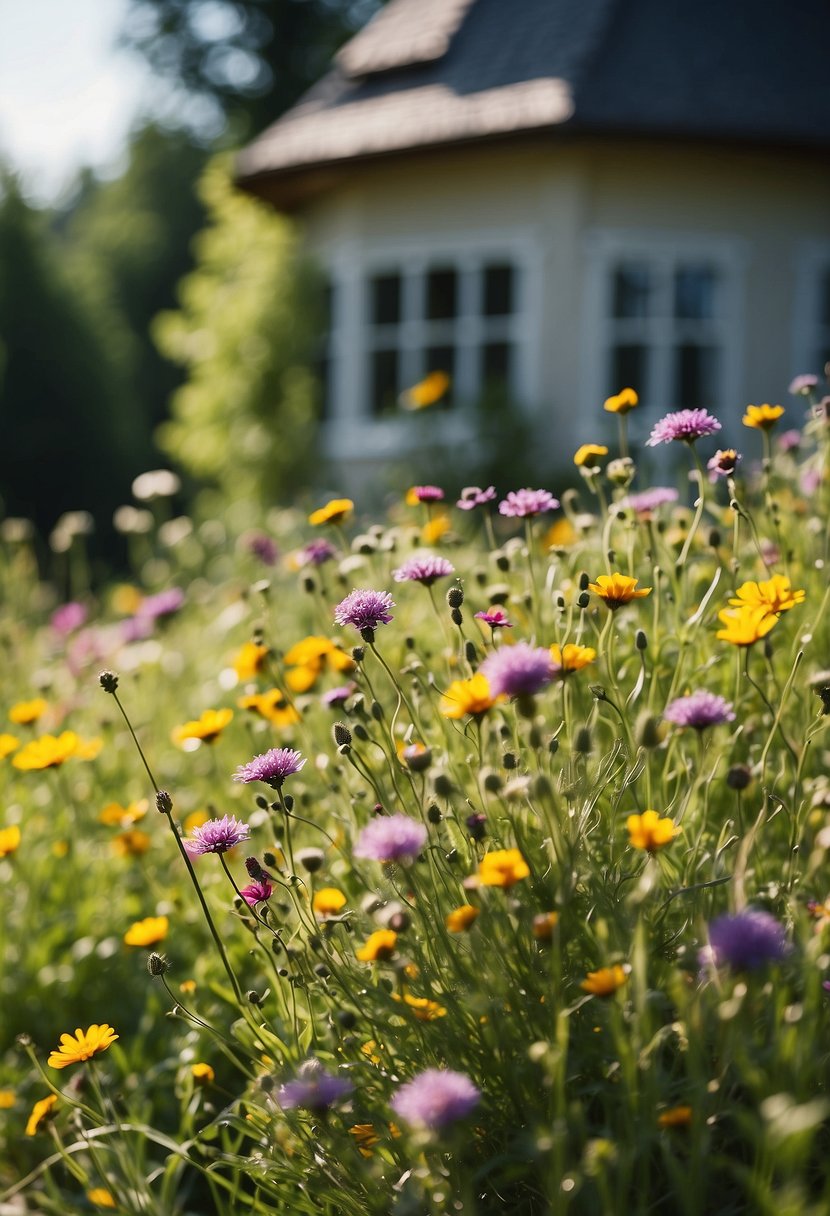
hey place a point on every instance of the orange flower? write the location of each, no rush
(544, 925)
(571, 657)
(502, 868)
(467, 697)
(648, 831)
(461, 919)
(147, 932)
(379, 946)
(618, 589)
(334, 512)
(83, 1045)
(675, 1116)
(328, 901)
(40, 1111)
(426, 392)
(9, 840)
(762, 417)
(24, 713)
(101, 1197)
(606, 981)
(206, 729)
(424, 1009)
(48, 751)
(435, 528)
(745, 626)
(774, 595)
(626, 399)
(365, 1137)
(202, 1074)
(131, 843)
(116, 815)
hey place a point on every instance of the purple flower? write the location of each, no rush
(426, 494)
(789, 441)
(272, 767)
(257, 892)
(423, 568)
(164, 603)
(684, 425)
(810, 480)
(803, 385)
(262, 546)
(474, 496)
(68, 617)
(699, 709)
(365, 609)
(724, 463)
(217, 836)
(518, 671)
(745, 941)
(317, 552)
(649, 500)
(435, 1098)
(313, 1088)
(391, 838)
(522, 503)
(136, 628)
(496, 618)
(335, 697)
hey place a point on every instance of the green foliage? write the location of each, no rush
(245, 332)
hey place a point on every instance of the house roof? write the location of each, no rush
(430, 73)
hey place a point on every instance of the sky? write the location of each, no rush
(67, 94)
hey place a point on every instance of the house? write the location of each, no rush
(554, 199)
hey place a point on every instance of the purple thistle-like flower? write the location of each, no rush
(649, 500)
(803, 385)
(263, 547)
(496, 618)
(164, 603)
(427, 493)
(699, 710)
(313, 1088)
(68, 617)
(423, 568)
(391, 838)
(365, 609)
(474, 496)
(217, 836)
(790, 441)
(258, 892)
(724, 463)
(745, 941)
(521, 503)
(683, 425)
(336, 697)
(518, 671)
(435, 1098)
(317, 553)
(272, 767)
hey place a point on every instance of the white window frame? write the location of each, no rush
(810, 336)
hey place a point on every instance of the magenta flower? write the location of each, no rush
(790, 441)
(336, 697)
(364, 609)
(317, 553)
(217, 836)
(518, 671)
(699, 710)
(683, 425)
(745, 941)
(272, 767)
(426, 493)
(523, 503)
(391, 838)
(423, 568)
(647, 501)
(164, 603)
(724, 463)
(263, 547)
(257, 893)
(313, 1088)
(496, 618)
(803, 385)
(435, 1098)
(68, 617)
(474, 496)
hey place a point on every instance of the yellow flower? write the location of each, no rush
(461, 919)
(301, 679)
(502, 868)
(365, 1137)
(571, 657)
(46, 752)
(308, 652)
(467, 697)
(745, 626)
(622, 402)
(435, 528)
(328, 901)
(606, 981)
(83, 1045)
(126, 599)
(187, 987)
(24, 713)
(207, 728)
(8, 744)
(203, 1074)
(147, 932)
(368, 1050)
(675, 1116)
(762, 417)
(334, 512)
(648, 831)
(272, 706)
(115, 815)
(101, 1197)
(7, 1099)
(424, 1009)
(426, 392)
(379, 946)
(589, 454)
(88, 749)
(618, 589)
(195, 820)
(9, 840)
(40, 1111)
(544, 925)
(774, 595)
(250, 660)
(131, 843)
(560, 534)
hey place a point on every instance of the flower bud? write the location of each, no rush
(509, 760)
(470, 653)
(649, 731)
(455, 597)
(310, 859)
(739, 777)
(434, 813)
(620, 472)
(358, 654)
(108, 681)
(342, 734)
(477, 826)
(442, 785)
(583, 744)
(376, 710)
(640, 640)
(583, 600)
(164, 803)
(157, 964)
(456, 617)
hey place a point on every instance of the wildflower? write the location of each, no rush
(68, 617)
(745, 626)
(7, 1099)
(418, 494)
(335, 698)
(40, 1111)
(88, 749)
(502, 868)
(461, 919)
(647, 501)
(435, 1098)
(115, 815)
(618, 589)
(523, 504)
(789, 441)
(46, 752)
(217, 836)
(518, 671)
(745, 941)
(379, 946)
(250, 660)
(391, 838)
(423, 568)
(606, 981)
(774, 595)
(313, 1089)
(622, 402)
(24, 713)
(426, 392)
(272, 767)
(147, 932)
(100, 1197)
(163, 603)
(802, 386)
(317, 553)
(496, 618)
(648, 831)
(675, 1116)
(474, 496)
(132, 843)
(416, 756)
(83, 1045)
(334, 512)
(272, 706)
(327, 902)
(588, 454)
(683, 425)
(571, 657)
(471, 696)
(202, 1074)
(263, 547)
(435, 528)
(699, 710)
(724, 463)
(8, 744)
(365, 609)
(365, 1137)
(206, 729)
(258, 892)
(9, 840)
(762, 417)
(422, 1007)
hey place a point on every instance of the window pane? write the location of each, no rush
(385, 299)
(632, 291)
(696, 376)
(498, 291)
(824, 298)
(442, 359)
(442, 291)
(695, 293)
(496, 365)
(628, 368)
(384, 381)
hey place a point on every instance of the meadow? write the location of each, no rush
(470, 860)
